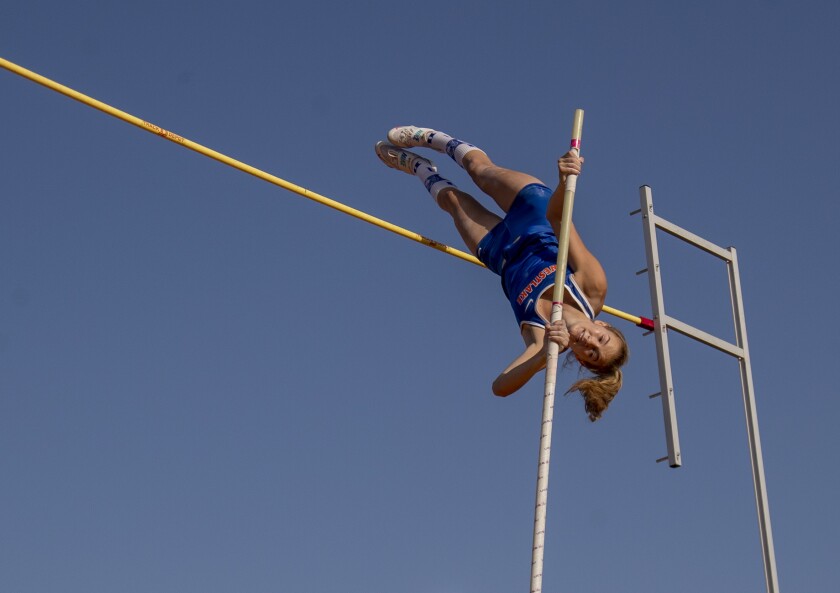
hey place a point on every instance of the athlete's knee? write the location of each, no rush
(489, 176)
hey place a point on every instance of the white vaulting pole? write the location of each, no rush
(551, 369)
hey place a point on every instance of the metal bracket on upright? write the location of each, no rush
(739, 350)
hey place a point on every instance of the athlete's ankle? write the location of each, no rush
(433, 182)
(460, 150)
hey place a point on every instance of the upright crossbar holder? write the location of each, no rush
(739, 350)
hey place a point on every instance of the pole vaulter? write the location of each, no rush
(642, 322)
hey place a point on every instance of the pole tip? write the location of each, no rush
(577, 127)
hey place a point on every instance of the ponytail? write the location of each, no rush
(599, 390)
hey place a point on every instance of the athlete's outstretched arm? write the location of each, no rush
(520, 371)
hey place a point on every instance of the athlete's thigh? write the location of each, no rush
(472, 220)
(503, 185)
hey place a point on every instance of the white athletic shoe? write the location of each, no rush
(410, 136)
(402, 160)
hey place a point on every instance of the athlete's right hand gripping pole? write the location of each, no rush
(551, 368)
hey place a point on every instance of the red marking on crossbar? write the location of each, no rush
(646, 323)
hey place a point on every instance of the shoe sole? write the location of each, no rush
(397, 163)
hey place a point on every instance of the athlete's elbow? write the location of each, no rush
(502, 388)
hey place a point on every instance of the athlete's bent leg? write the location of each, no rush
(499, 183)
(472, 220)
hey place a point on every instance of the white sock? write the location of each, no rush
(443, 142)
(432, 180)
(457, 151)
(438, 140)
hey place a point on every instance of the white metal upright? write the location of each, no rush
(666, 382)
(739, 350)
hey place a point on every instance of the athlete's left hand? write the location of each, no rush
(558, 333)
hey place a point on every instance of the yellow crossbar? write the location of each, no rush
(208, 152)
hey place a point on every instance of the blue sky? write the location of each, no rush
(211, 384)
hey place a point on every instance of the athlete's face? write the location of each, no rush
(594, 344)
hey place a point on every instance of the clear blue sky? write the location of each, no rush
(210, 384)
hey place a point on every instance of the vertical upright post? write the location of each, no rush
(739, 350)
(537, 550)
(756, 459)
(666, 383)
